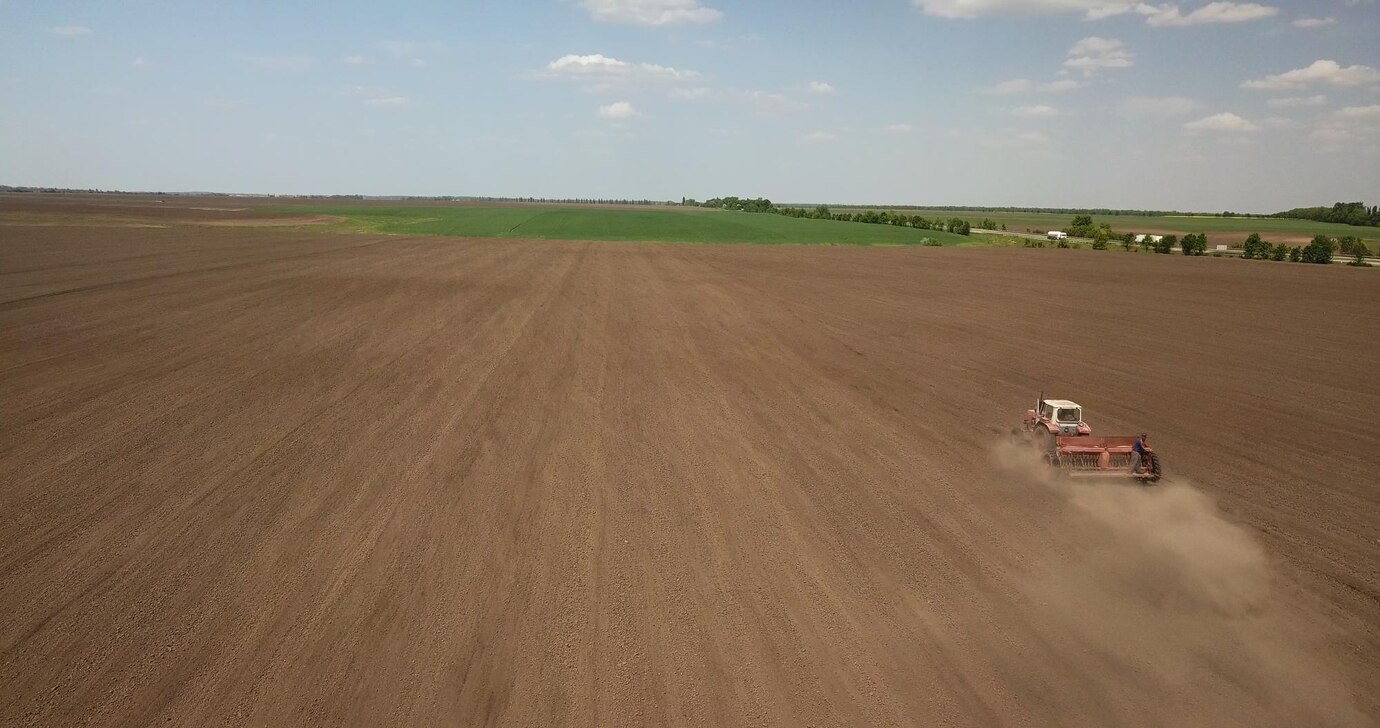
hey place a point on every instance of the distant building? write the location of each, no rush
(1152, 238)
(1056, 235)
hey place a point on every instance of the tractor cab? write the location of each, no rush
(1059, 417)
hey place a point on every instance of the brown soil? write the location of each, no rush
(262, 477)
(107, 211)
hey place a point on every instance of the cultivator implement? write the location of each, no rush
(1094, 456)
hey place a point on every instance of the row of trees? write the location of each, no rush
(1320, 250)
(1346, 213)
(1052, 210)
(820, 212)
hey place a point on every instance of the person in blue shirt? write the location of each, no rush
(1138, 453)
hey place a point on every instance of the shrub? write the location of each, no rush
(1194, 244)
(1099, 244)
(1166, 244)
(1279, 252)
(1318, 251)
(1295, 254)
(1254, 247)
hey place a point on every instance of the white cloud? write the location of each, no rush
(1279, 122)
(1014, 86)
(1294, 102)
(965, 9)
(763, 103)
(388, 101)
(1368, 113)
(70, 31)
(1162, 15)
(399, 48)
(1035, 112)
(690, 94)
(898, 128)
(820, 87)
(354, 60)
(1216, 12)
(1225, 122)
(1022, 85)
(1314, 22)
(729, 42)
(289, 62)
(1354, 128)
(1024, 141)
(601, 69)
(1093, 54)
(650, 12)
(1159, 106)
(1060, 86)
(1328, 73)
(618, 110)
(767, 102)
(412, 52)
(374, 96)
(819, 137)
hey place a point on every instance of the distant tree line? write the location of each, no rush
(1066, 210)
(71, 191)
(820, 212)
(1345, 213)
(428, 198)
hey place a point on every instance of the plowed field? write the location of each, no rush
(283, 477)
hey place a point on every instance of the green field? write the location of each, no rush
(691, 225)
(1220, 230)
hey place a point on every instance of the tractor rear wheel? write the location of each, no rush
(1152, 468)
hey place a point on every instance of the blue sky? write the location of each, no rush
(1193, 105)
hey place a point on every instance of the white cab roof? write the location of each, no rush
(1061, 403)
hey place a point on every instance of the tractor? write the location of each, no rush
(1057, 430)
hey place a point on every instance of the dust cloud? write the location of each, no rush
(1154, 583)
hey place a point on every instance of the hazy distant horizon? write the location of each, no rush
(1078, 104)
(532, 199)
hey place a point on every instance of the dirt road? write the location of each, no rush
(282, 478)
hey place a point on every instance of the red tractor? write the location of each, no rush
(1057, 429)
